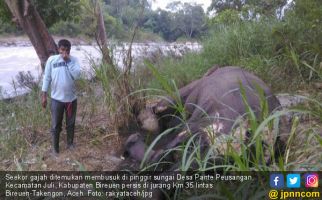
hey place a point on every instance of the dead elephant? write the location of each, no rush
(214, 102)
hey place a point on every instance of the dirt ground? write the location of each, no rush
(99, 153)
(88, 155)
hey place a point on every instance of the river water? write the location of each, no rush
(14, 59)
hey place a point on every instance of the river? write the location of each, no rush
(14, 59)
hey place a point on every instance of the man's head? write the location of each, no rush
(64, 48)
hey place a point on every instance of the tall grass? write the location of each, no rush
(284, 53)
(119, 94)
(278, 51)
(22, 123)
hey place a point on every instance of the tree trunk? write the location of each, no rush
(101, 35)
(30, 21)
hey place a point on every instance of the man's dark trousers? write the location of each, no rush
(57, 114)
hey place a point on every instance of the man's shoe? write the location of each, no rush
(54, 154)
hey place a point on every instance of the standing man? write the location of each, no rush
(60, 73)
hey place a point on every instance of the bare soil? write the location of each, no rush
(93, 153)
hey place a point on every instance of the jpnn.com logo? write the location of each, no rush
(276, 180)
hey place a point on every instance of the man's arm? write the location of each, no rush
(44, 99)
(74, 69)
(45, 84)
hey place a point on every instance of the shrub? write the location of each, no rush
(66, 28)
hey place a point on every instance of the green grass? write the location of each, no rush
(22, 122)
(250, 156)
(284, 53)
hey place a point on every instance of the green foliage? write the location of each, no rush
(114, 27)
(309, 11)
(127, 11)
(290, 47)
(7, 28)
(65, 28)
(73, 29)
(21, 122)
(182, 70)
(116, 7)
(182, 20)
(221, 5)
(129, 16)
(249, 8)
(168, 87)
(190, 19)
(144, 36)
(5, 14)
(118, 88)
(228, 44)
(164, 28)
(226, 17)
(53, 11)
(72, 18)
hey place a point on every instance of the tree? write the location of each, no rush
(5, 14)
(310, 11)
(226, 17)
(30, 21)
(115, 7)
(127, 11)
(174, 6)
(191, 19)
(53, 11)
(101, 34)
(250, 7)
(164, 24)
(221, 5)
(187, 19)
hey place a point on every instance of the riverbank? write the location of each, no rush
(23, 41)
